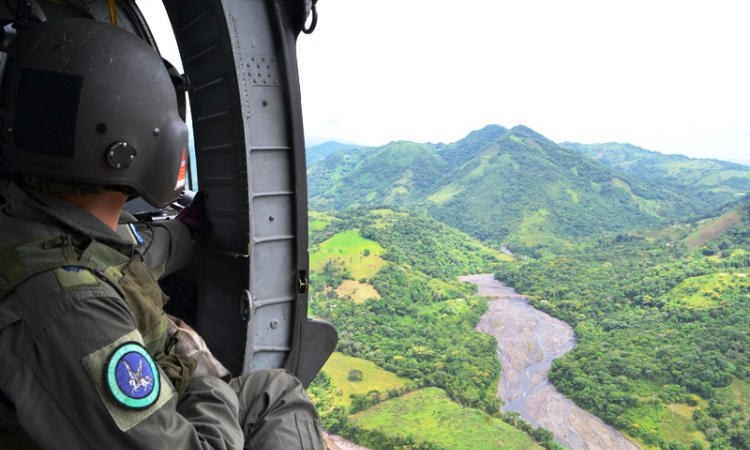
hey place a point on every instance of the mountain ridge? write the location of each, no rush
(504, 185)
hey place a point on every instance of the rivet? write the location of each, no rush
(264, 59)
(132, 157)
(268, 66)
(271, 218)
(265, 102)
(248, 64)
(255, 80)
(111, 153)
(258, 66)
(118, 165)
(253, 58)
(157, 131)
(274, 324)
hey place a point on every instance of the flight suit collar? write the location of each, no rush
(38, 206)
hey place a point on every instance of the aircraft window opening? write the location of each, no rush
(161, 28)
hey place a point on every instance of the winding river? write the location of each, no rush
(527, 342)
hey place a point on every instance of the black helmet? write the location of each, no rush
(86, 103)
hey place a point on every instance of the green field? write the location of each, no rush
(429, 415)
(319, 221)
(347, 249)
(708, 291)
(373, 377)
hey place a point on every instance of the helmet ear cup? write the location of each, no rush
(165, 177)
(87, 103)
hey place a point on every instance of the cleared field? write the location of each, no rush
(359, 292)
(347, 249)
(319, 221)
(373, 377)
(713, 229)
(429, 415)
(708, 291)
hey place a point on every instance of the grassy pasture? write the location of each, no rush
(708, 291)
(347, 250)
(359, 292)
(429, 415)
(373, 377)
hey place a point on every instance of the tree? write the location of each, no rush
(355, 375)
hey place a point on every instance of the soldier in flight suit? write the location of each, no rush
(87, 356)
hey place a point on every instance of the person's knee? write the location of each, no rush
(269, 386)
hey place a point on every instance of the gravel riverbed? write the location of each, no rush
(528, 341)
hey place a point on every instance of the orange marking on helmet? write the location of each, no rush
(182, 175)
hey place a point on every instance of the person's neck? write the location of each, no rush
(105, 207)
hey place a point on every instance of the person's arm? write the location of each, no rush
(168, 245)
(62, 390)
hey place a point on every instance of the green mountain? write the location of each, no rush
(508, 186)
(716, 181)
(326, 149)
(397, 173)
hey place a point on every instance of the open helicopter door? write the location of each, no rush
(246, 289)
(252, 266)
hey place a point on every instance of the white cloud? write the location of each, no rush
(669, 76)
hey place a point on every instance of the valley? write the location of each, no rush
(657, 302)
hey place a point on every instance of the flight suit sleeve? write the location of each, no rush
(67, 372)
(168, 245)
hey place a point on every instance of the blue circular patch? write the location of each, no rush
(132, 376)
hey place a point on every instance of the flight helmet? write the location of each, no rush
(86, 104)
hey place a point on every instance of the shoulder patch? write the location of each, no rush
(129, 397)
(132, 376)
(71, 277)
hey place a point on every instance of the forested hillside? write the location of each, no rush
(387, 280)
(504, 186)
(713, 180)
(662, 329)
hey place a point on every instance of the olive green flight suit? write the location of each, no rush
(59, 327)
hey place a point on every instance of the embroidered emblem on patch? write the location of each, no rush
(132, 377)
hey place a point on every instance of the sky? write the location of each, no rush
(669, 76)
